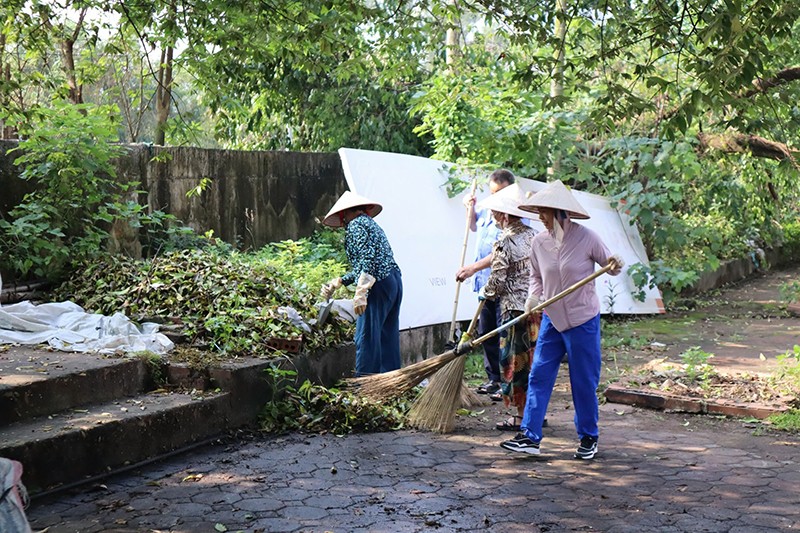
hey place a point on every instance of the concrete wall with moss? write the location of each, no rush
(252, 198)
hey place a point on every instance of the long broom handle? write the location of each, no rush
(463, 256)
(569, 290)
(474, 321)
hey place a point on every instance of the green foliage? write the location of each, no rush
(621, 333)
(316, 408)
(77, 205)
(309, 262)
(788, 421)
(228, 302)
(790, 291)
(67, 153)
(696, 366)
(787, 377)
(791, 240)
(156, 367)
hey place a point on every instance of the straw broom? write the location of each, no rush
(434, 408)
(389, 385)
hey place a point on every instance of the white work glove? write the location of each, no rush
(329, 288)
(531, 302)
(365, 283)
(619, 263)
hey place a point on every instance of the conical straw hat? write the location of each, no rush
(555, 195)
(507, 200)
(347, 201)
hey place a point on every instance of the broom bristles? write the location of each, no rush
(469, 397)
(435, 408)
(380, 387)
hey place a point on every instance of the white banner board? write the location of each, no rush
(426, 231)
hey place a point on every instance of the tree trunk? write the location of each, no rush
(452, 39)
(557, 81)
(68, 56)
(781, 78)
(163, 95)
(6, 132)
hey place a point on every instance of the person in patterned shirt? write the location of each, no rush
(508, 285)
(379, 285)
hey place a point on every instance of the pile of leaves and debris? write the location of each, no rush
(318, 409)
(695, 377)
(223, 303)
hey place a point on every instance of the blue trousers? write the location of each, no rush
(488, 320)
(378, 329)
(582, 345)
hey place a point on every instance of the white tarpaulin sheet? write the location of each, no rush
(426, 231)
(67, 327)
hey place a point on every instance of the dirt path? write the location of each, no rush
(738, 325)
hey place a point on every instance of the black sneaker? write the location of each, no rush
(490, 387)
(521, 444)
(587, 449)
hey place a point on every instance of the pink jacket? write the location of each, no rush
(553, 270)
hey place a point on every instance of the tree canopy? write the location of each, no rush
(686, 111)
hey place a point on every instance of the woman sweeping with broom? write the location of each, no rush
(508, 284)
(565, 253)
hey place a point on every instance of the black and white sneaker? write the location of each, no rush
(521, 444)
(588, 448)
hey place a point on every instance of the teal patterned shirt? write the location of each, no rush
(367, 250)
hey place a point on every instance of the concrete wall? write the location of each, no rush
(736, 270)
(253, 198)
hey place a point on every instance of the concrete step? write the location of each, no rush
(83, 442)
(35, 382)
(69, 417)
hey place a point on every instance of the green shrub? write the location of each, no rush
(67, 152)
(791, 240)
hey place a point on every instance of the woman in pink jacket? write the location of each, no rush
(561, 256)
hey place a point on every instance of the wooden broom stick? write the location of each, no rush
(452, 334)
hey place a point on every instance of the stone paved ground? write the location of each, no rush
(665, 472)
(655, 472)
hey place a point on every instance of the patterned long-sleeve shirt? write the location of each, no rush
(367, 250)
(510, 274)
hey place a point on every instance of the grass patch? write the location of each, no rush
(622, 333)
(788, 421)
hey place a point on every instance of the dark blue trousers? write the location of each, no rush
(378, 329)
(488, 320)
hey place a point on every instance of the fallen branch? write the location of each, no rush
(734, 142)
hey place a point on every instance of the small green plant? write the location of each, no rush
(281, 412)
(790, 291)
(787, 376)
(156, 367)
(696, 364)
(610, 299)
